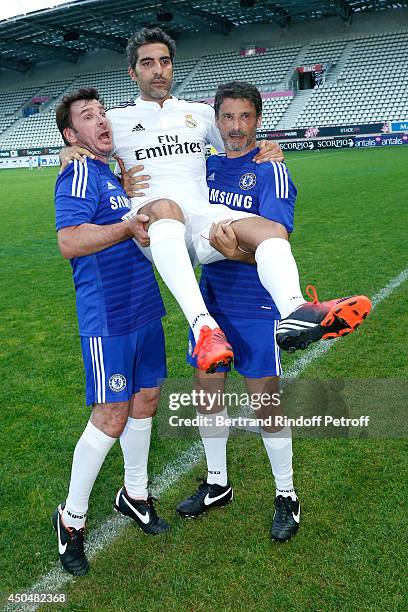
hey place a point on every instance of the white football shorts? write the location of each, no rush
(199, 216)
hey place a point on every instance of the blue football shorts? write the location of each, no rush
(116, 367)
(256, 353)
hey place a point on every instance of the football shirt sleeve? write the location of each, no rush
(277, 194)
(76, 195)
(213, 133)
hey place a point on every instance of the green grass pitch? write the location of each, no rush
(349, 554)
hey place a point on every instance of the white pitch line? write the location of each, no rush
(111, 528)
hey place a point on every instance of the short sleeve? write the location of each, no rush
(277, 194)
(76, 195)
(213, 134)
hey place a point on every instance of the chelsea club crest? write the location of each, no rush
(247, 181)
(117, 382)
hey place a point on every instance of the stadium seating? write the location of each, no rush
(11, 102)
(372, 86)
(53, 89)
(367, 82)
(37, 130)
(327, 51)
(266, 69)
(273, 110)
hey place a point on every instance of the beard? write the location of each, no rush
(236, 147)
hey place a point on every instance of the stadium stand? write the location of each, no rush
(367, 81)
(114, 86)
(267, 69)
(372, 85)
(273, 110)
(34, 131)
(327, 51)
(11, 102)
(53, 89)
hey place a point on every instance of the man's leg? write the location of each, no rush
(302, 322)
(166, 231)
(135, 441)
(148, 370)
(278, 445)
(133, 499)
(104, 427)
(216, 490)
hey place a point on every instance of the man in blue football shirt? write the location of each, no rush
(245, 310)
(119, 314)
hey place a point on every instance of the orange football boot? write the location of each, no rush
(212, 349)
(313, 321)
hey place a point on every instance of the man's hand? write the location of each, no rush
(137, 229)
(222, 237)
(269, 150)
(132, 183)
(67, 154)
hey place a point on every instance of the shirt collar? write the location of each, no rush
(154, 104)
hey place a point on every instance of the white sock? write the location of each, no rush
(171, 258)
(215, 438)
(135, 443)
(279, 275)
(278, 445)
(90, 452)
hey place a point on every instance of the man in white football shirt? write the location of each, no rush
(169, 136)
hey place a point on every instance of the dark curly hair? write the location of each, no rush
(148, 36)
(238, 90)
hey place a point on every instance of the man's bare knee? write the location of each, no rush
(211, 388)
(144, 403)
(110, 418)
(162, 209)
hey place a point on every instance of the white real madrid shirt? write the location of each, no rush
(169, 141)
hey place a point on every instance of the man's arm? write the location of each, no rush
(88, 238)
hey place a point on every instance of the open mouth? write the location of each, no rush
(104, 136)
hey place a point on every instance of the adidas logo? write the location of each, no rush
(110, 185)
(211, 177)
(138, 128)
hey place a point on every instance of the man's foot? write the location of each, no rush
(70, 545)
(207, 496)
(314, 321)
(286, 518)
(142, 511)
(212, 349)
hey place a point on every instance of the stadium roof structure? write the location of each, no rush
(68, 31)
